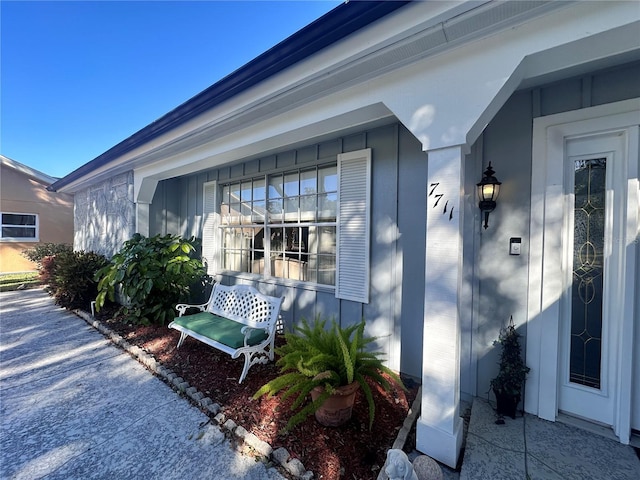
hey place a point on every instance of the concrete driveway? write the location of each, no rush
(72, 406)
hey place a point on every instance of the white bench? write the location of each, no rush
(237, 320)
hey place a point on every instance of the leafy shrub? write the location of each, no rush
(314, 356)
(153, 274)
(70, 277)
(39, 252)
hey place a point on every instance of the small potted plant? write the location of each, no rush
(330, 365)
(507, 385)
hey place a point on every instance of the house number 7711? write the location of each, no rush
(433, 188)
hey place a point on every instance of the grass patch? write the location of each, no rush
(13, 281)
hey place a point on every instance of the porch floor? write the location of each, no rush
(531, 448)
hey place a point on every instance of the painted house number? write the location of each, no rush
(438, 197)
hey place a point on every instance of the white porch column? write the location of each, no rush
(439, 428)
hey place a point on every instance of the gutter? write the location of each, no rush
(332, 27)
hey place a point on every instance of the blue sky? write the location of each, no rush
(79, 77)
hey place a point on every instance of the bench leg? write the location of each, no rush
(250, 359)
(183, 337)
(247, 365)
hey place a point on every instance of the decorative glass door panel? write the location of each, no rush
(588, 272)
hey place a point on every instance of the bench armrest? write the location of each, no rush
(246, 331)
(183, 307)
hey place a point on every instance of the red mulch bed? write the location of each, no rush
(348, 452)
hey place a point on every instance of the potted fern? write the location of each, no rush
(507, 385)
(330, 365)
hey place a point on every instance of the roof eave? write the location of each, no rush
(339, 22)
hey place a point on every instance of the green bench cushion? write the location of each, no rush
(220, 329)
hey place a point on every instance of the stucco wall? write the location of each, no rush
(105, 215)
(23, 194)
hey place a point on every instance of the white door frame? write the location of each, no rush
(546, 281)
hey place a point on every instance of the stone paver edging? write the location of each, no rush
(280, 456)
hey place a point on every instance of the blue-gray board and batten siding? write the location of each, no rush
(398, 212)
(399, 173)
(507, 143)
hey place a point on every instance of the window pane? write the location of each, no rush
(328, 179)
(257, 215)
(18, 232)
(257, 265)
(234, 193)
(292, 239)
(291, 209)
(277, 241)
(259, 190)
(327, 269)
(226, 192)
(234, 213)
(18, 219)
(246, 213)
(276, 189)
(291, 184)
(327, 240)
(327, 207)
(275, 210)
(308, 182)
(224, 214)
(312, 267)
(308, 208)
(245, 192)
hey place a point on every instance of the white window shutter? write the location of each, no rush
(354, 217)
(210, 230)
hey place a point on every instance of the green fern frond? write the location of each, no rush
(316, 356)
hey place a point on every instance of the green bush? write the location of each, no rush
(69, 277)
(153, 275)
(39, 252)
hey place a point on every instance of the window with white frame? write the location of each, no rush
(21, 227)
(306, 224)
(282, 225)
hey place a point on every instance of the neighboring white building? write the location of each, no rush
(340, 170)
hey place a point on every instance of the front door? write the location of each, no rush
(584, 311)
(590, 322)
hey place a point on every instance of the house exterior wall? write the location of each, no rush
(398, 210)
(105, 215)
(507, 143)
(23, 194)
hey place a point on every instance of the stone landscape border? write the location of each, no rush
(280, 456)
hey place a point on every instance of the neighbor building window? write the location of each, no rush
(282, 225)
(21, 227)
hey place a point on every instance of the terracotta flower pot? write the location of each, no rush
(336, 410)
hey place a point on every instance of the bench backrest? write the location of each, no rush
(246, 305)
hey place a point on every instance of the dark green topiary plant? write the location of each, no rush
(330, 358)
(153, 274)
(513, 371)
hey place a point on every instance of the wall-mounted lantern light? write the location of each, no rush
(488, 190)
